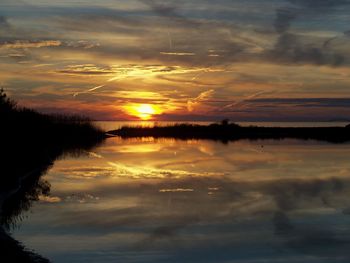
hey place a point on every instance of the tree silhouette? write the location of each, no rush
(6, 104)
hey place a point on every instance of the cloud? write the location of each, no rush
(241, 102)
(88, 90)
(87, 69)
(168, 231)
(122, 72)
(290, 49)
(319, 4)
(94, 155)
(170, 11)
(175, 190)
(4, 24)
(282, 223)
(105, 20)
(178, 53)
(50, 199)
(81, 44)
(125, 71)
(283, 19)
(161, 9)
(304, 102)
(81, 198)
(202, 97)
(47, 43)
(288, 109)
(87, 172)
(19, 44)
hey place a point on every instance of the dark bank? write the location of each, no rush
(30, 143)
(226, 132)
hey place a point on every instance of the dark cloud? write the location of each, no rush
(291, 109)
(304, 102)
(283, 19)
(290, 50)
(4, 23)
(86, 70)
(168, 231)
(281, 223)
(328, 42)
(110, 21)
(319, 4)
(162, 9)
(170, 11)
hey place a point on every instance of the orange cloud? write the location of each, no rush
(31, 44)
(193, 103)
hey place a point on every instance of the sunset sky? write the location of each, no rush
(271, 60)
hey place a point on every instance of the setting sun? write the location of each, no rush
(145, 111)
(142, 111)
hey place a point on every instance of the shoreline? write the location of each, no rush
(232, 132)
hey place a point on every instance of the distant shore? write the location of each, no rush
(231, 132)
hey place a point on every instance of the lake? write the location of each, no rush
(165, 200)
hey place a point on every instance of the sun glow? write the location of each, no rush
(143, 111)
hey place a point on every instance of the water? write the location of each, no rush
(145, 200)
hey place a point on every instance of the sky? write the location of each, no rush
(271, 60)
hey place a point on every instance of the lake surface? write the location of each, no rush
(146, 200)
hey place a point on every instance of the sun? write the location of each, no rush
(145, 111)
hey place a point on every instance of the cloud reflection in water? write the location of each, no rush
(238, 202)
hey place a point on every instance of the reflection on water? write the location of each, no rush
(142, 200)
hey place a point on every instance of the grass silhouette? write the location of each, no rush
(226, 131)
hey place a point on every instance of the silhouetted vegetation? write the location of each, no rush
(30, 143)
(226, 131)
(26, 122)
